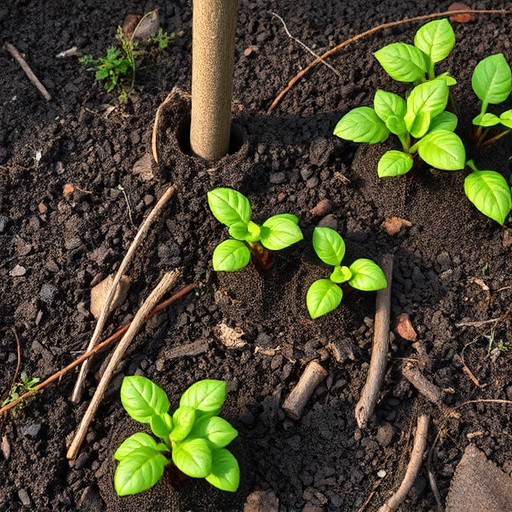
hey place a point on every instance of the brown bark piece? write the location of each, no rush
(323, 208)
(479, 485)
(460, 18)
(404, 327)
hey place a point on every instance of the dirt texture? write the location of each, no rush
(452, 265)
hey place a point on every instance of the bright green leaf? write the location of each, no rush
(388, 104)
(323, 297)
(328, 245)
(490, 193)
(443, 150)
(161, 425)
(288, 216)
(361, 124)
(486, 120)
(396, 125)
(139, 471)
(133, 443)
(238, 231)
(216, 430)
(367, 275)
(435, 39)
(193, 457)
(142, 398)
(183, 419)
(420, 124)
(394, 163)
(225, 473)
(506, 118)
(230, 255)
(229, 206)
(447, 78)
(254, 232)
(444, 121)
(403, 62)
(279, 232)
(340, 275)
(207, 396)
(492, 80)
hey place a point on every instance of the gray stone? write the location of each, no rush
(277, 178)
(385, 434)
(47, 293)
(31, 430)
(18, 271)
(24, 497)
(3, 223)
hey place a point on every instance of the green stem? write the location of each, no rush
(484, 143)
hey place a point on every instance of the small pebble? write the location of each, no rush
(382, 473)
(312, 182)
(24, 497)
(47, 293)
(277, 178)
(329, 221)
(18, 271)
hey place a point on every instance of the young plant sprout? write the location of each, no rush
(249, 239)
(421, 123)
(194, 435)
(406, 63)
(325, 295)
(492, 83)
(489, 192)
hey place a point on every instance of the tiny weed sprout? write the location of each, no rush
(492, 83)
(407, 63)
(421, 123)
(489, 192)
(20, 388)
(249, 239)
(325, 295)
(194, 436)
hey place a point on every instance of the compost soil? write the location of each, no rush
(76, 181)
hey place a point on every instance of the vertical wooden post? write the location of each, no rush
(213, 44)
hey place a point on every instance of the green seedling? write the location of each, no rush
(489, 192)
(421, 123)
(249, 239)
(194, 436)
(325, 295)
(415, 64)
(163, 39)
(25, 385)
(492, 83)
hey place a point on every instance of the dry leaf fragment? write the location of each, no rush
(230, 337)
(404, 327)
(6, 448)
(393, 225)
(100, 293)
(460, 18)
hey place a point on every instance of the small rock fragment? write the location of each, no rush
(47, 293)
(262, 501)
(6, 448)
(142, 167)
(460, 18)
(24, 497)
(507, 238)
(101, 291)
(404, 327)
(230, 337)
(250, 50)
(385, 434)
(322, 208)
(31, 430)
(148, 26)
(393, 225)
(18, 271)
(329, 221)
(67, 190)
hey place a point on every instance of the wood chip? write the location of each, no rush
(230, 337)
(100, 293)
(393, 225)
(6, 448)
(322, 208)
(404, 327)
(460, 18)
(342, 350)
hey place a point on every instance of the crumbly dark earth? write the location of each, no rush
(452, 266)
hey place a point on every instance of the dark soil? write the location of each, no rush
(453, 265)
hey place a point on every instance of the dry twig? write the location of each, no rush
(141, 316)
(370, 392)
(26, 68)
(428, 389)
(57, 376)
(413, 468)
(301, 73)
(155, 213)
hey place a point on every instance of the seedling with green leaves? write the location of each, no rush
(492, 83)
(421, 123)
(194, 435)
(415, 64)
(249, 239)
(325, 295)
(25, 385)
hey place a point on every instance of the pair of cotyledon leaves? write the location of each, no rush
(325, 295)
(194, 435)
(234, 210)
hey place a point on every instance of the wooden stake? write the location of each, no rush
(301, 393)
(155, 213)
(155, 296)
(413, 468)
(26, 68)
(213, 47)
(370, 392)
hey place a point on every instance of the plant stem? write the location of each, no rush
(488, 142)
(262, 258)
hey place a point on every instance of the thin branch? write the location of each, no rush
(141, 316)
(301, 73)
(427, 388)
(98, 348)
(413, 468)
(303, 45)
(155, 213)
(26, 68)
(370, 392)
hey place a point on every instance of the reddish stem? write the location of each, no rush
(262, 258)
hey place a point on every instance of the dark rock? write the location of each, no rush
(385, 434)
(31, 430)
(277, 178)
